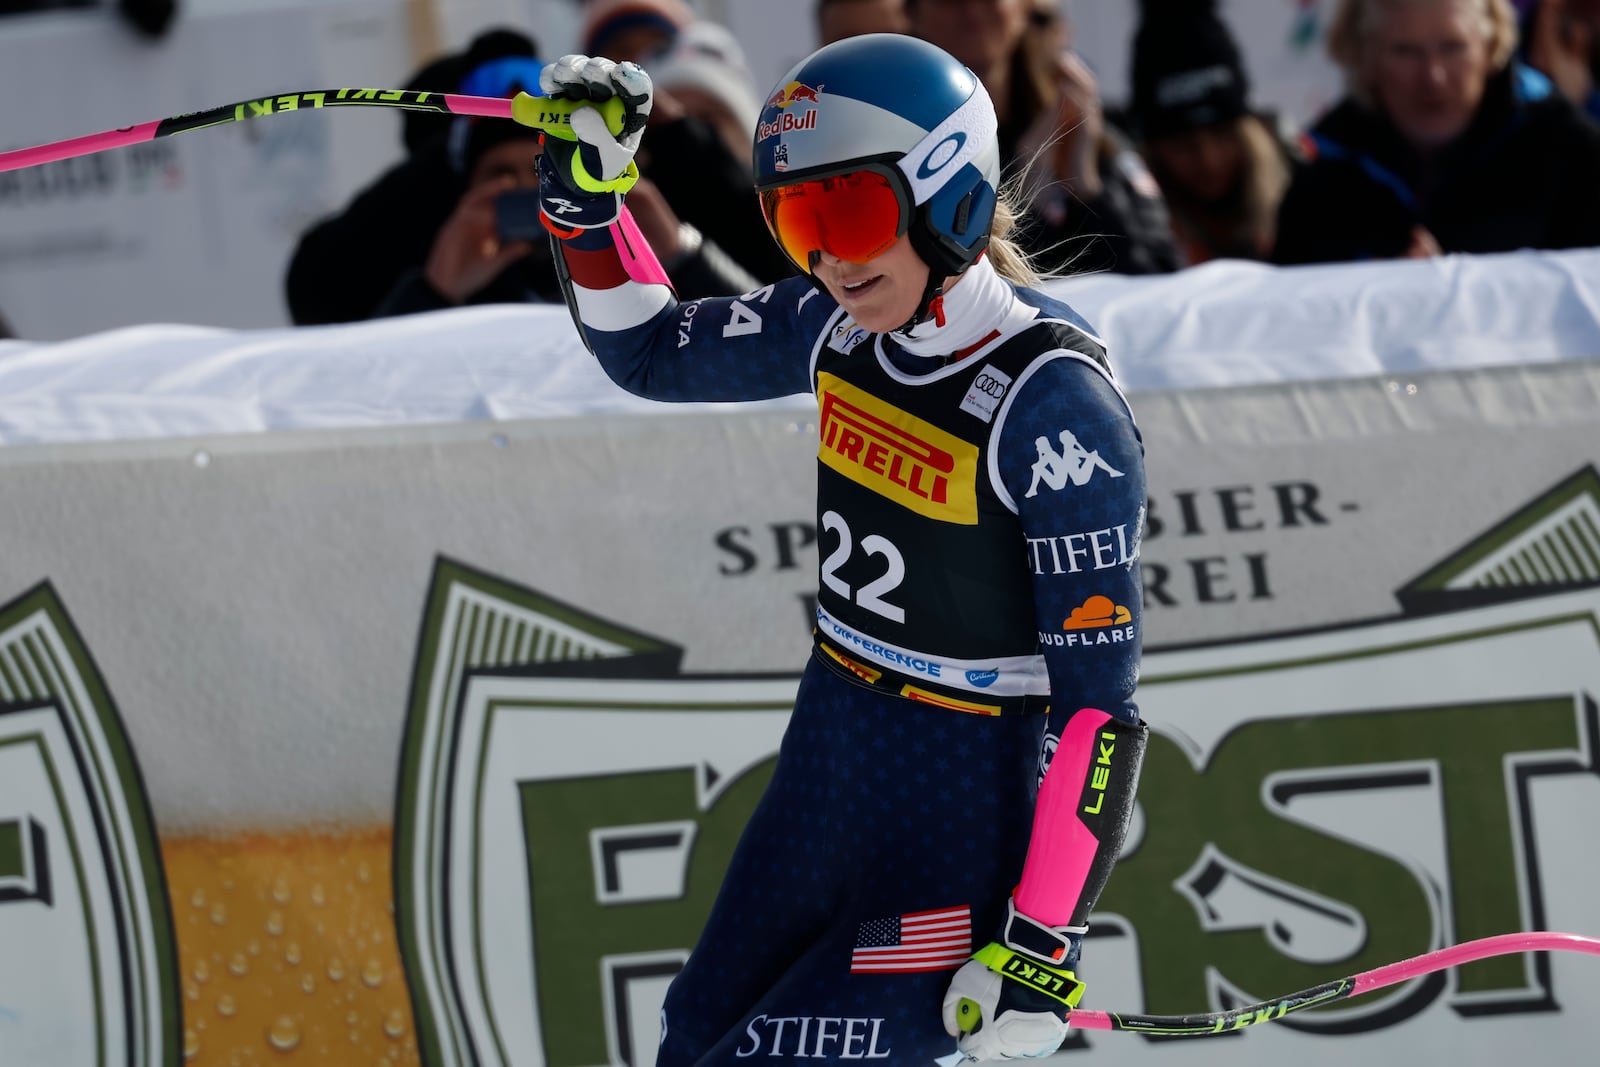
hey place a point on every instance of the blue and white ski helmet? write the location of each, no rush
(905, 108)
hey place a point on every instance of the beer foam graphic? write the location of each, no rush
(287, 951)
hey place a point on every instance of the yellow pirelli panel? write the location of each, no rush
(897, 455)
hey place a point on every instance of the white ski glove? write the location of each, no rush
(1012, 1000)
(587, 164)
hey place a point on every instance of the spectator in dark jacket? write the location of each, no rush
(1443, 144)
(370, 258)
(483, 256)
(1222, 166)
(1090, 200)
(345, 266)
(1561, 40)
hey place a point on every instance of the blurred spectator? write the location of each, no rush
(1092, 204)
(6, 332)
(705, 72)
(1222, 167)
(694, 154)
(1047, 28)
(494, 250)
(1442, 144)
(689, 152)
(838, 19)
(344, 266)
(637, 30)
(371, 258)
(1561, 39)
(150, 17)
(471, 261)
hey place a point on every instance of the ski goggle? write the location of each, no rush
(504, 77)
(854, 216)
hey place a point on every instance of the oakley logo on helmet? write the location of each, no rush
(958, 140)
(942, 153)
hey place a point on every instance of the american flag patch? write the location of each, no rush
(921, 941)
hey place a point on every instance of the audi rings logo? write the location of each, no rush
(941, 154)
(989, 385)
(984, 394)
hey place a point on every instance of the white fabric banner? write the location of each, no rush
(1224, 323)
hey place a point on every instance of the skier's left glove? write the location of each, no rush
(1013, 999)
(587, 165)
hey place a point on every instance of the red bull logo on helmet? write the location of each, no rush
(784, 97)
(794, 93)
(787, 122)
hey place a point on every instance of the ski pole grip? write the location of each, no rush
(553, 114)
(968, 1015)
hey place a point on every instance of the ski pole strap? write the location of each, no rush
(1054, 982)
(553, 114)
(1036, 939)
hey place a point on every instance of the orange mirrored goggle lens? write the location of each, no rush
(854, 216)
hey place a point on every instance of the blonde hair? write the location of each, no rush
(1008, 258)
(1353, 22)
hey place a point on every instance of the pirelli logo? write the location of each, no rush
(897, 455)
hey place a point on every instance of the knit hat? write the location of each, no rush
(708, 57)
(604, 19)
(1187, 71)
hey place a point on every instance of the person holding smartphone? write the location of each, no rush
(473, 260)
(492, 248)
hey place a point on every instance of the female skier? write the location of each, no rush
(964, 748)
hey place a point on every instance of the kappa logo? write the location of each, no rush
(895, 454)
(1073, 463)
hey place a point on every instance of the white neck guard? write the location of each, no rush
(973, 307)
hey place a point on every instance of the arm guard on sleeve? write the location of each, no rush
(1080, 820)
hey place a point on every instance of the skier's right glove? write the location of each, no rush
(1013, 999)
(587, 164)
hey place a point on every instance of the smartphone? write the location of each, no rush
(516, 216)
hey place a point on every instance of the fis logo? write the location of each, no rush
(896, 454)
(846, 336)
